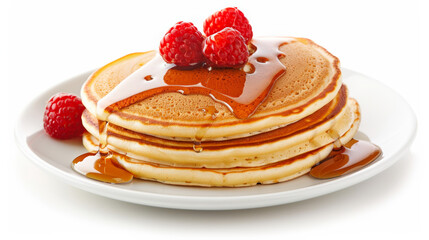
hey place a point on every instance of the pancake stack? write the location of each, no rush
(193, 139)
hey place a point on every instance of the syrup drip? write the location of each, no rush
(211, 112)
(197, 146)
(102, 135)
(101, 166)
(241, 90)
(352, 156)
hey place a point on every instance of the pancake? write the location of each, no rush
(311, 80)
(224, 177)
(207, 127)
(319, 129)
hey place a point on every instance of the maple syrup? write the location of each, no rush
(350, 157)
(101, 167)
(241, 90)
(211, 114)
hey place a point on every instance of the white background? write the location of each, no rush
(50, 41)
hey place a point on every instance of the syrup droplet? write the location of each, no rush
(211, 111)
(352, 156)
(262, 59)
(197, 147)
(101, 167)
(249, 68)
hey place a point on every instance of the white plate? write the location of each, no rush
(387, 120)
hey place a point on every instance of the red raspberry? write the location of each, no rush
(181, 45)
(228, 17)
(62, 118)
(226, 48)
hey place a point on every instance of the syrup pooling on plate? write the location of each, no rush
(101, 166)
(350, 157)
(241, 90)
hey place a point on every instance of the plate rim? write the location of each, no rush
(215, 202)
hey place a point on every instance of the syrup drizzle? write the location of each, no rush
(350, 157)
(241, 90)
(236, 88)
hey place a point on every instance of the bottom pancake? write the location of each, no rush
(225, 177)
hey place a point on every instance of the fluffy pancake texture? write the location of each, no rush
(225, 177)
(195, 140)
(321, 128)
(312, 79)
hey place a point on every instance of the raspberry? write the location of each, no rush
(226, 48)
(228, 17)
(181, 45)
(62, 118)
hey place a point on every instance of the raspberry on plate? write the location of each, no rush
(181, 45)
(228, 17)
(226, 48)
(62, 118)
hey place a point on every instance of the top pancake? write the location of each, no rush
(312, 79)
